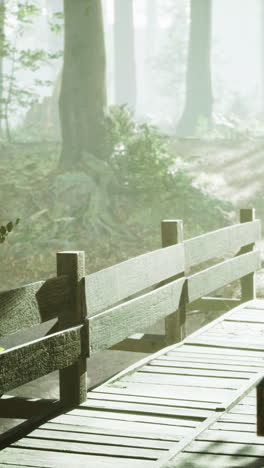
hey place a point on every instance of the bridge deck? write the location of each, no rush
(190, 405)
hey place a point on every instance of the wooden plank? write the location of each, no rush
(125, 279)
(156, 410)
(171, 234)
(27, 362)
(163, 369)
(32, 304)
(114, 429)
(244, 408)
(123, 416)
(225, 360)
(239, 418)
(121, 440)
(232, 426)
(248, 282)
(247, 315)
(212, 341)
(239, 338)
(238, 328)
(118, 323)
(235, 399)
(89, 448)
(260, 408)
(221, 274)
(215, 351)
(189, 381)
(73, 377)
(257, 304)
(165, 431)
(44, 458)
(190, 363)
(221, 242)
(230, 436)
(226, 448)
(142, 344)
(164, 402)
(167, 391)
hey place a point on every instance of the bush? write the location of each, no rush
(111, 209)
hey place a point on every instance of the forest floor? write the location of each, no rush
(231, 170)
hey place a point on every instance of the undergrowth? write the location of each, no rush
(111, 209)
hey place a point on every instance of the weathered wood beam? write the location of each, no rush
(260, 408)
(33, 304)
(32, 360)
(221, 274)
(120, 322)
(73, 378)
(221, 242)
(248, 283)
(172, 234)
(128, 278)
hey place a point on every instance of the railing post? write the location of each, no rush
(73, 379)
(172, 233)
(260, 408)
(248, 283)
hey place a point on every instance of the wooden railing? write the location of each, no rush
(102, 310)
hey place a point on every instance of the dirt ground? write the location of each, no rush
(233, 171)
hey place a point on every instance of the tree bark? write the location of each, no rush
(262, 55)
(2, 40)
(125, 64)
(83, 96)
(199, 99)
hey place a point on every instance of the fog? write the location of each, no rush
(115, 118)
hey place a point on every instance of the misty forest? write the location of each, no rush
(114, 116)
(117, 114)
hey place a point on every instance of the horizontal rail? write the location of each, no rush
(33, 304)
(221, 242)
(116, 324)
(108, 287)
(221, 274)
(32, 360)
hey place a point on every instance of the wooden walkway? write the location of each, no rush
(189, 405)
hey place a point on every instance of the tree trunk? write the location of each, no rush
(2, 40)
(262, 55)
(199, 99)
(125, 66)
(83, 97)
(150, 50)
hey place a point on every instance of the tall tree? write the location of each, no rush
(83, 96)
(125, 63)
(199, 99)
(2, 40)
(261, 6)
(150, 48)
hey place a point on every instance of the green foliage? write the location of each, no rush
(112, 209)
(154, 186)
(19, 17)
(6, 229)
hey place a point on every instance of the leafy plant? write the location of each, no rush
(6, 229)
(15, 97)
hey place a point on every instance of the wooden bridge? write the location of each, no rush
(190, 404)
